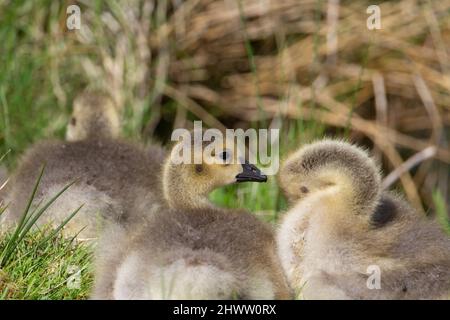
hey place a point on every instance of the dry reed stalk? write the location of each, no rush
(194, 54)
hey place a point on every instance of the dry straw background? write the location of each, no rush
(242, 63)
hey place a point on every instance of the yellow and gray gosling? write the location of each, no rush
(344, 238)
(187, 186)
(193, 249)
(112, 177)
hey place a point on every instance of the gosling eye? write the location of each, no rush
(73, 121)
(304, 189)
(224, 156)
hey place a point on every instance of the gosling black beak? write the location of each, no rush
(250, 173)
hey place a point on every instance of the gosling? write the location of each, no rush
(344, 238)
(94, 117)
(111, 176)
(193, 249)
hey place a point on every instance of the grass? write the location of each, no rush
(43, 66)
(41, 264)
(32, 260)
(441, 210)
(58, 269)
(262, 199)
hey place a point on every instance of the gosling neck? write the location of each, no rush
(180, 193)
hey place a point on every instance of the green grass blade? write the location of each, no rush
(12, 242)
(441, 210)
(30, 201)
(41, 211)
(4, 155)
(55, 232)
(22, 230)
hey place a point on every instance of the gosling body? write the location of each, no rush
(191, 254)
(345, 238)
(192, 249)
(112, 178)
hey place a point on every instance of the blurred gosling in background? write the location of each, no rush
(112, 177)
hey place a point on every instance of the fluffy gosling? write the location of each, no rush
(193, 250)
(112, 177)
(344, 238)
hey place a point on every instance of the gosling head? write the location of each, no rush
(187, 182)
(331, 164)
(94, 116)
